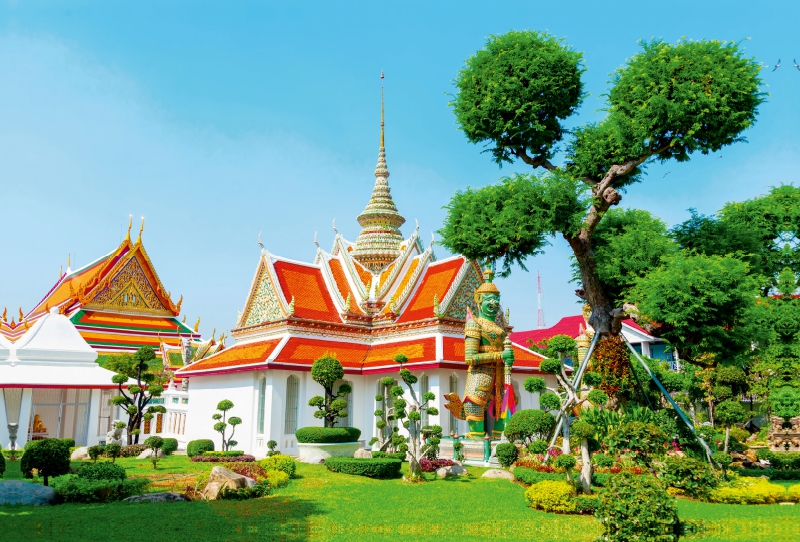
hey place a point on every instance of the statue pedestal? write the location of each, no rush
(476, 452)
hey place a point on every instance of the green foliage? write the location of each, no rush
(627, 243)
(565, 461)
(283, 463)
(549, 401)
(506, 453)
(514, 93)
(277, 478)
(95, 452)
(259, 490)
(730, 412)
(692, 476)
(169, 445)
(102, 471)
(552, 496)
(530, 476)
(326, 371)
(602, 461)
(198, 447)
(2, 465)
(538, 446)
(528, 425)
(154, 443)
(636, 508)
(377, 454)
(221, 427)
(113, 450)
(371, 468)
(534, 384)
(223, 453)
(722, 460)
(597, 397)
(550, 366)
(50, 457)
(644, 440)
(513, 219)
(703, 305)
(582, 429)
(89, 490)
(325, 435)
(785, 402)
(748, 491)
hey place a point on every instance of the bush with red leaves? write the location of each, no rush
(211, 459)
(251, 470)
(428, 465)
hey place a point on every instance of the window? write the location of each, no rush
(175, 400)
(146, 429)
(105, 418)
(453, 389)
(346, 421)
(159, 422)
(292, 401)
(262, 392)
(423, 389)
(185, 400)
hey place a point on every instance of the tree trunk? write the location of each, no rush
(727, 438)
(45, 479)
(586, 470)
(604, 319)
(565, 447)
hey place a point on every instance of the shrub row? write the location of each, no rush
(385, 455)
(327, 435)
(102, 471)
(132, 450)
(530, 476)
(84, 490)
(780, 460)
(198, 447)
(371, 468)
(243, 493)
(772, 474)
(213, 459)
(754, 491)
(432, 465)
(68, 441)
(226, 453)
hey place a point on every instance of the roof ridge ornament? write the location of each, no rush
(130, 225)
(141, 229)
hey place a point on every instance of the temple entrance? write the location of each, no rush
(60, 413)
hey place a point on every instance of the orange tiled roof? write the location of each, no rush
(452, 349)
(236, 356)
(299, 350)
(363, 274)
(385, 274)
(342, 285)
(436, 282)
(416, 350)
(311, 297)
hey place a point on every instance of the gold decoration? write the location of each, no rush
(130, 290)
(21, 316)
(197, 325)
(178, 306)
(184, 319)
(5, 314)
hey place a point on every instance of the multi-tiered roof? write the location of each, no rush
(117, 303)
(363, 302)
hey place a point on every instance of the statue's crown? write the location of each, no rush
(488, 287)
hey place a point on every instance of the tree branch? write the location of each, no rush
(536, 161)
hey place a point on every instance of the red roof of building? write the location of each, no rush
(305, 284)
(569, 325)
(437, 281)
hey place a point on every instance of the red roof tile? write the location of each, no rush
(302, 351)
(311, 297)
(342, 285)
(235, 356)
(436, 282)
(569, 325)
(417, 351)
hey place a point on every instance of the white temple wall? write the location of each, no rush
(204, 395)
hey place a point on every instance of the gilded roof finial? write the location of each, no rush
(382, 145)
(197, 325)
(130, 225)
(21, 316)
(141, 229)
(69, 259)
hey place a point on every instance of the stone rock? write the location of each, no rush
(738, 457)
(250, 482)
(498, 473)
(158, 497)
(363, 453)
(738, 464)
(25, 493)
(221, 477)
(451, 471)
(148, 453)
(79, 454)
(751, 456)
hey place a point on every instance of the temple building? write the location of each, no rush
(362, 302)
(117, 303)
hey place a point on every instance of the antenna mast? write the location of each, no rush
(540, 323)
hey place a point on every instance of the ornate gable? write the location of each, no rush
(461, 295)
(263, 303)
(130, 289)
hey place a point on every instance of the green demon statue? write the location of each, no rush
(488, 354)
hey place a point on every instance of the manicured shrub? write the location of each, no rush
(644, 440)
(601, 480)
(327, 435)
(95, 452)
(130, 450)
(280, 462)
(272, 444)
(602, 461)
(50, 457)
(432, 465)
(70, 442)
(277, 478)
(692, 476)
(252, 470)
(784, 460)
(794, 493)
(115, 450)
(529, 425)
(197, 447)
(244, 493)
(377, 454)
(772, 474)
(82, 490)
(226, 453)
(538, 447)
(552, 496)
(371, 468)
(585, 504)
(748, 491)
(530, 476)
(102, 471)
(506, 454)
(215, 459)
(636, 508)
(169, 446)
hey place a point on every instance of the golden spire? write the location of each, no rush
(130, 224)
(141, 229)
(68, 259)
(382, 145)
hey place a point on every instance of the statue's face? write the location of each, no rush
(490, 304)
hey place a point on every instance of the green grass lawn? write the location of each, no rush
(320, 505)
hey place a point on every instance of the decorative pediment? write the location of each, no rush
(130, 290)
(462, 295)
(263, 304)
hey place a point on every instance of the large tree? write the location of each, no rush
(666, 102)
(136, 398)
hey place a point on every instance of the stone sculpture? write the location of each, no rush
(115, 435)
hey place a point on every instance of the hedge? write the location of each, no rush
(226, 453)
(169, 446)
(530, 476)
(772, 474)
(280, 462)
(82, 490)
(377, 454)
(102, 471)
(132, 450)
(197, 447)
(2, 465)
(327, 435)
(371, 468)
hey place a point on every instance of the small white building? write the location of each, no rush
(52, 387)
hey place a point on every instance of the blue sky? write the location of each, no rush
(220, 120)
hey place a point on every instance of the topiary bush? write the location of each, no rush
(277, 478)
(691, 476)
(95, 452)
(198, 447)
(280, 462)
(506, 454)
(114, 451)
(643, 440)
(244, 493)
(217, 459)
(169, 446)
(2, 465)
(50, 457)
(327, 435)
(637, 508)
(529, 425)
(602, 461)
(530, 476)
(226, 453)
(377, 454)
(83, 490)
(748, 491)
(102, 471)
(70, 442)
(538, 447)
(432, 465)
(552, 496)
(371, 468)
(130, 450)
